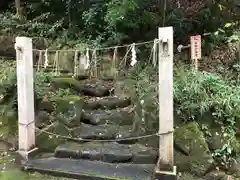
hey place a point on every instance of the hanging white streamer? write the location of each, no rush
(134, 56)
(56, 63)
(87, 60)
(82, 61)
(115, 57)
(46, 59)
(94, 59)
(75, 64)
(39, 61)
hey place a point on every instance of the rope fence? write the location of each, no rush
(88, 59)
(96, 140)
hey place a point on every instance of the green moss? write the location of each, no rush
(66, 82)
(48, 142)
(191, 139)
(69, 110)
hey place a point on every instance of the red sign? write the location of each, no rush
(196, 51)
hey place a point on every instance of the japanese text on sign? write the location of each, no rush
(196, 47)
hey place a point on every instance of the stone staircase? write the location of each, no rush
(104, 116)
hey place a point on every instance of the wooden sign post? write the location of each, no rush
(165, 167)
(25, 91)
(196, 53)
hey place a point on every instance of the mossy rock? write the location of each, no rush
(218, 139)
(191, 139)
(86, 88)
(67, 82)
(69, 110)
(47, 142)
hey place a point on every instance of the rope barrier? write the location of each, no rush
(104, 48)
(107, 140)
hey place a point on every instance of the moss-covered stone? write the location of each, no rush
(87, 88)
(63, 82)
(69, 110)
(191, 139)
(48, 142)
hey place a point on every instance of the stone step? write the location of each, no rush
(110, 152)
(105, 132)
(87, 88)
(121, 116)
(79, 77)
(89, 170)
(100, 132)
(109, 102)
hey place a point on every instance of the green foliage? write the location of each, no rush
(142, 86)
(112, 21)
(200, 92)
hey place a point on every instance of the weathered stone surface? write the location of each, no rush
(106, 152)
(190, 138)
(96, 90)
(69, 110)
(84, 169)
(109, 102)
(99, 132)
(125, 132)
(143, 154)
(118, 116)
(48, 143)
(42, 118)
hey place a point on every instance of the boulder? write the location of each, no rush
(116, 116)
(190, 138)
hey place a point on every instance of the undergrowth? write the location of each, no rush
(196, 94)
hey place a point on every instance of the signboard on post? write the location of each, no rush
(196, 52)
